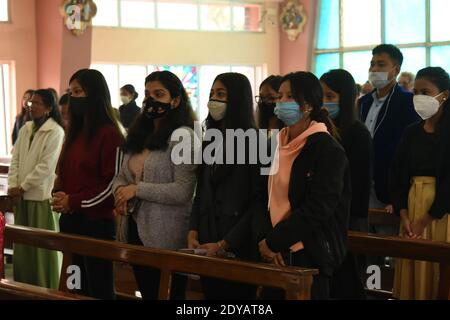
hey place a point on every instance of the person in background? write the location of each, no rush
(340, 101)
(54, 92)
(64, 109)
(129, 110)
(406, 81)
(366, 88)
(23, 116)
(227, 194)
(309, 188)
(420, 183)
(160, 190)
(30, 179)
(268, 91)
(89, 161)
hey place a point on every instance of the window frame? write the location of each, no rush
(8, 12)
(428, 44)
(9, 111)
(198, 3)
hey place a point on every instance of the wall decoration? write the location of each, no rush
(293, 19)
(78, 15)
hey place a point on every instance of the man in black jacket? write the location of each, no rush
(386, 111)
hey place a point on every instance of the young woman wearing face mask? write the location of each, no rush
(157, 192)
(309, 193)
(268, 91)
(30, 180)
(227, 195)
(340, 100)
(89, 161)
(129, 110)
(420, 182)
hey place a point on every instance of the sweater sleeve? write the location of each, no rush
(110, 160)
(13, 172)
(181, 190)
(323, 195)
(47, 163)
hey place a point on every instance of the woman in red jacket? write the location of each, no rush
(89, 161)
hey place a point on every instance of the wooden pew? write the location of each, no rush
(11, 290)
(382, 217)
(422, 250)
(295, 281)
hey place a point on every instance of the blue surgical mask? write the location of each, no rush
(333, 109)
(288, 112)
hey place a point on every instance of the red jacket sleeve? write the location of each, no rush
(100, 191)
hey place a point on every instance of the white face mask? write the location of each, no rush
(426, 106)
(217, 109)
(379, 79)
(125, 99)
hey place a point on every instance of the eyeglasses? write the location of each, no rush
(264, 99)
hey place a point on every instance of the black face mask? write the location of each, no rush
(154, 109)
(267, 109)
(78, 106)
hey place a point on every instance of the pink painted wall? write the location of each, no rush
(296, 55)
(60, 53)
(18, 45)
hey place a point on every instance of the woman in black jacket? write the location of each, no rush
(420, 182)
(309, 187)
(339, 90)
(227, 194)
(129, 111)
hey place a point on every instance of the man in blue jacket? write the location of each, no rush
(386, 111)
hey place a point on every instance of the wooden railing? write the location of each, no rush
(422, 250)
(295, 281)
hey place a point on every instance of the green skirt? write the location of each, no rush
(33, 265)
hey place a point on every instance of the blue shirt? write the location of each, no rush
(374, 110)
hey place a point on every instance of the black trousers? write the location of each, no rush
(148, 278)
(218, 289)
(97, 278)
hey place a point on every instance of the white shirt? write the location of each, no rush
(372, 116)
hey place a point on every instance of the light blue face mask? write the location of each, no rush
(288, 112)
(333, 109)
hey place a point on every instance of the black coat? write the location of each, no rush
(395, 115)
(227, 196)
(358, 146)
(128, 113)
(320, 196)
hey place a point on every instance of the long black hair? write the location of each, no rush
(100, 109)
(306, 88)
(440, 78)
(343, 83)
(48, 99)
(24, 112)
(274, 82)
(142, 132)
(239, 113)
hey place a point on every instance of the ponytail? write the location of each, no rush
(322, 115)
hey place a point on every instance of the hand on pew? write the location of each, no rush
(405, 224)
(418, 226)
(269, 255)
(389, 208)
(192, 240)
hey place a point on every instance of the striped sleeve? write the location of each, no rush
(101, 190)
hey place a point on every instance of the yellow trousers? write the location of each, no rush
(419, 280)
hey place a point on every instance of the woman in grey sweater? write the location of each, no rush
(152, 186)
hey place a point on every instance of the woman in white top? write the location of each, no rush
(31, 178)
